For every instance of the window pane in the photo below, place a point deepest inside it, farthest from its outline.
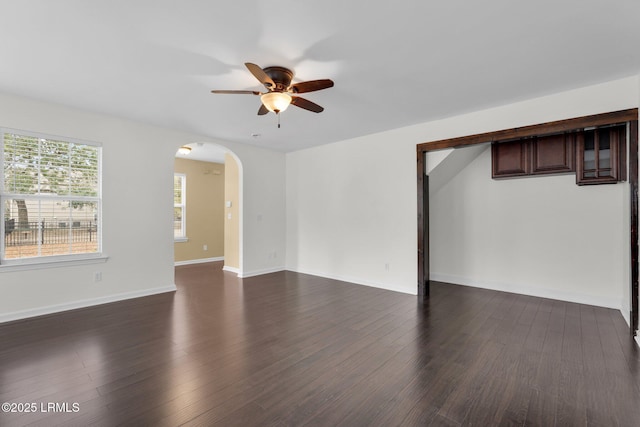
(50, 227)
(20, 164)
(179, 184)
(53, 175)
(45, 166)
(177, 189)
(83, 170)
(177, 222)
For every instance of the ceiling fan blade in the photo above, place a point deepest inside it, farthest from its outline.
(238, 92)
(259, 74)
(306, 104)
(311, 85)
(263, 110)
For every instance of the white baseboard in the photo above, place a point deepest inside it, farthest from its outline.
(534, 292)
(231, 269)
(245, 274)
(56, 308)
(359, 281)
(198, 261)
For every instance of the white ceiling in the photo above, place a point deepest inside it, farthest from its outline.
(394, 63)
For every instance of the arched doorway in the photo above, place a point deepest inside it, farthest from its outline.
(208, 205)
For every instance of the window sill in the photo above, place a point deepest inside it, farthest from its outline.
(44, 264)
(180, 239)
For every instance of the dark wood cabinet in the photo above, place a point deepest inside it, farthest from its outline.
(539, 155)
(597, 155)
(509, 159)
(553, 154)
(601, 155)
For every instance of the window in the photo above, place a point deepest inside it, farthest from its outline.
(179, 207)
(50, 197)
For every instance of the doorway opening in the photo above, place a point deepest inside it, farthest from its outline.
(626, 116)
(207, 206)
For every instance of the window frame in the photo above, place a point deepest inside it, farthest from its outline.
(182, 205)
(44, 261)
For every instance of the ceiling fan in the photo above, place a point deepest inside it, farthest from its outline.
(280, 91)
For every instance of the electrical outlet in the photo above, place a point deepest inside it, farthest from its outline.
(97, 276)
(205, 248)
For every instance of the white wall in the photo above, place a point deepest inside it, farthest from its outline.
(542, 236)
(263, 210)
(351, 211)
(137, 177)
(351, 205)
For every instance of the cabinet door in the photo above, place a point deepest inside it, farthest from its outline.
(598, 155)
(510, 159)
(553, 154)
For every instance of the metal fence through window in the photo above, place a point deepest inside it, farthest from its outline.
(48, 232)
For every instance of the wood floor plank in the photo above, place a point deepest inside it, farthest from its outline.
(289, 349)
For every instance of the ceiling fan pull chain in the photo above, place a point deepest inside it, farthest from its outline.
(278, 115)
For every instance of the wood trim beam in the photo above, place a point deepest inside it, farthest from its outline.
(633, 188)
(423, 253)
(534, 130)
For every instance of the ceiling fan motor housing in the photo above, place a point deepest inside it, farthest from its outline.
(281, 77)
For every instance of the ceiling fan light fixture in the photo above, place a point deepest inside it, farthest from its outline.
(276, 102)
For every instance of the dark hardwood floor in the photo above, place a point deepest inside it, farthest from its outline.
(287, 349)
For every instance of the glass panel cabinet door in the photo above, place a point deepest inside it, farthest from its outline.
(589, 154)
(598, 155)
